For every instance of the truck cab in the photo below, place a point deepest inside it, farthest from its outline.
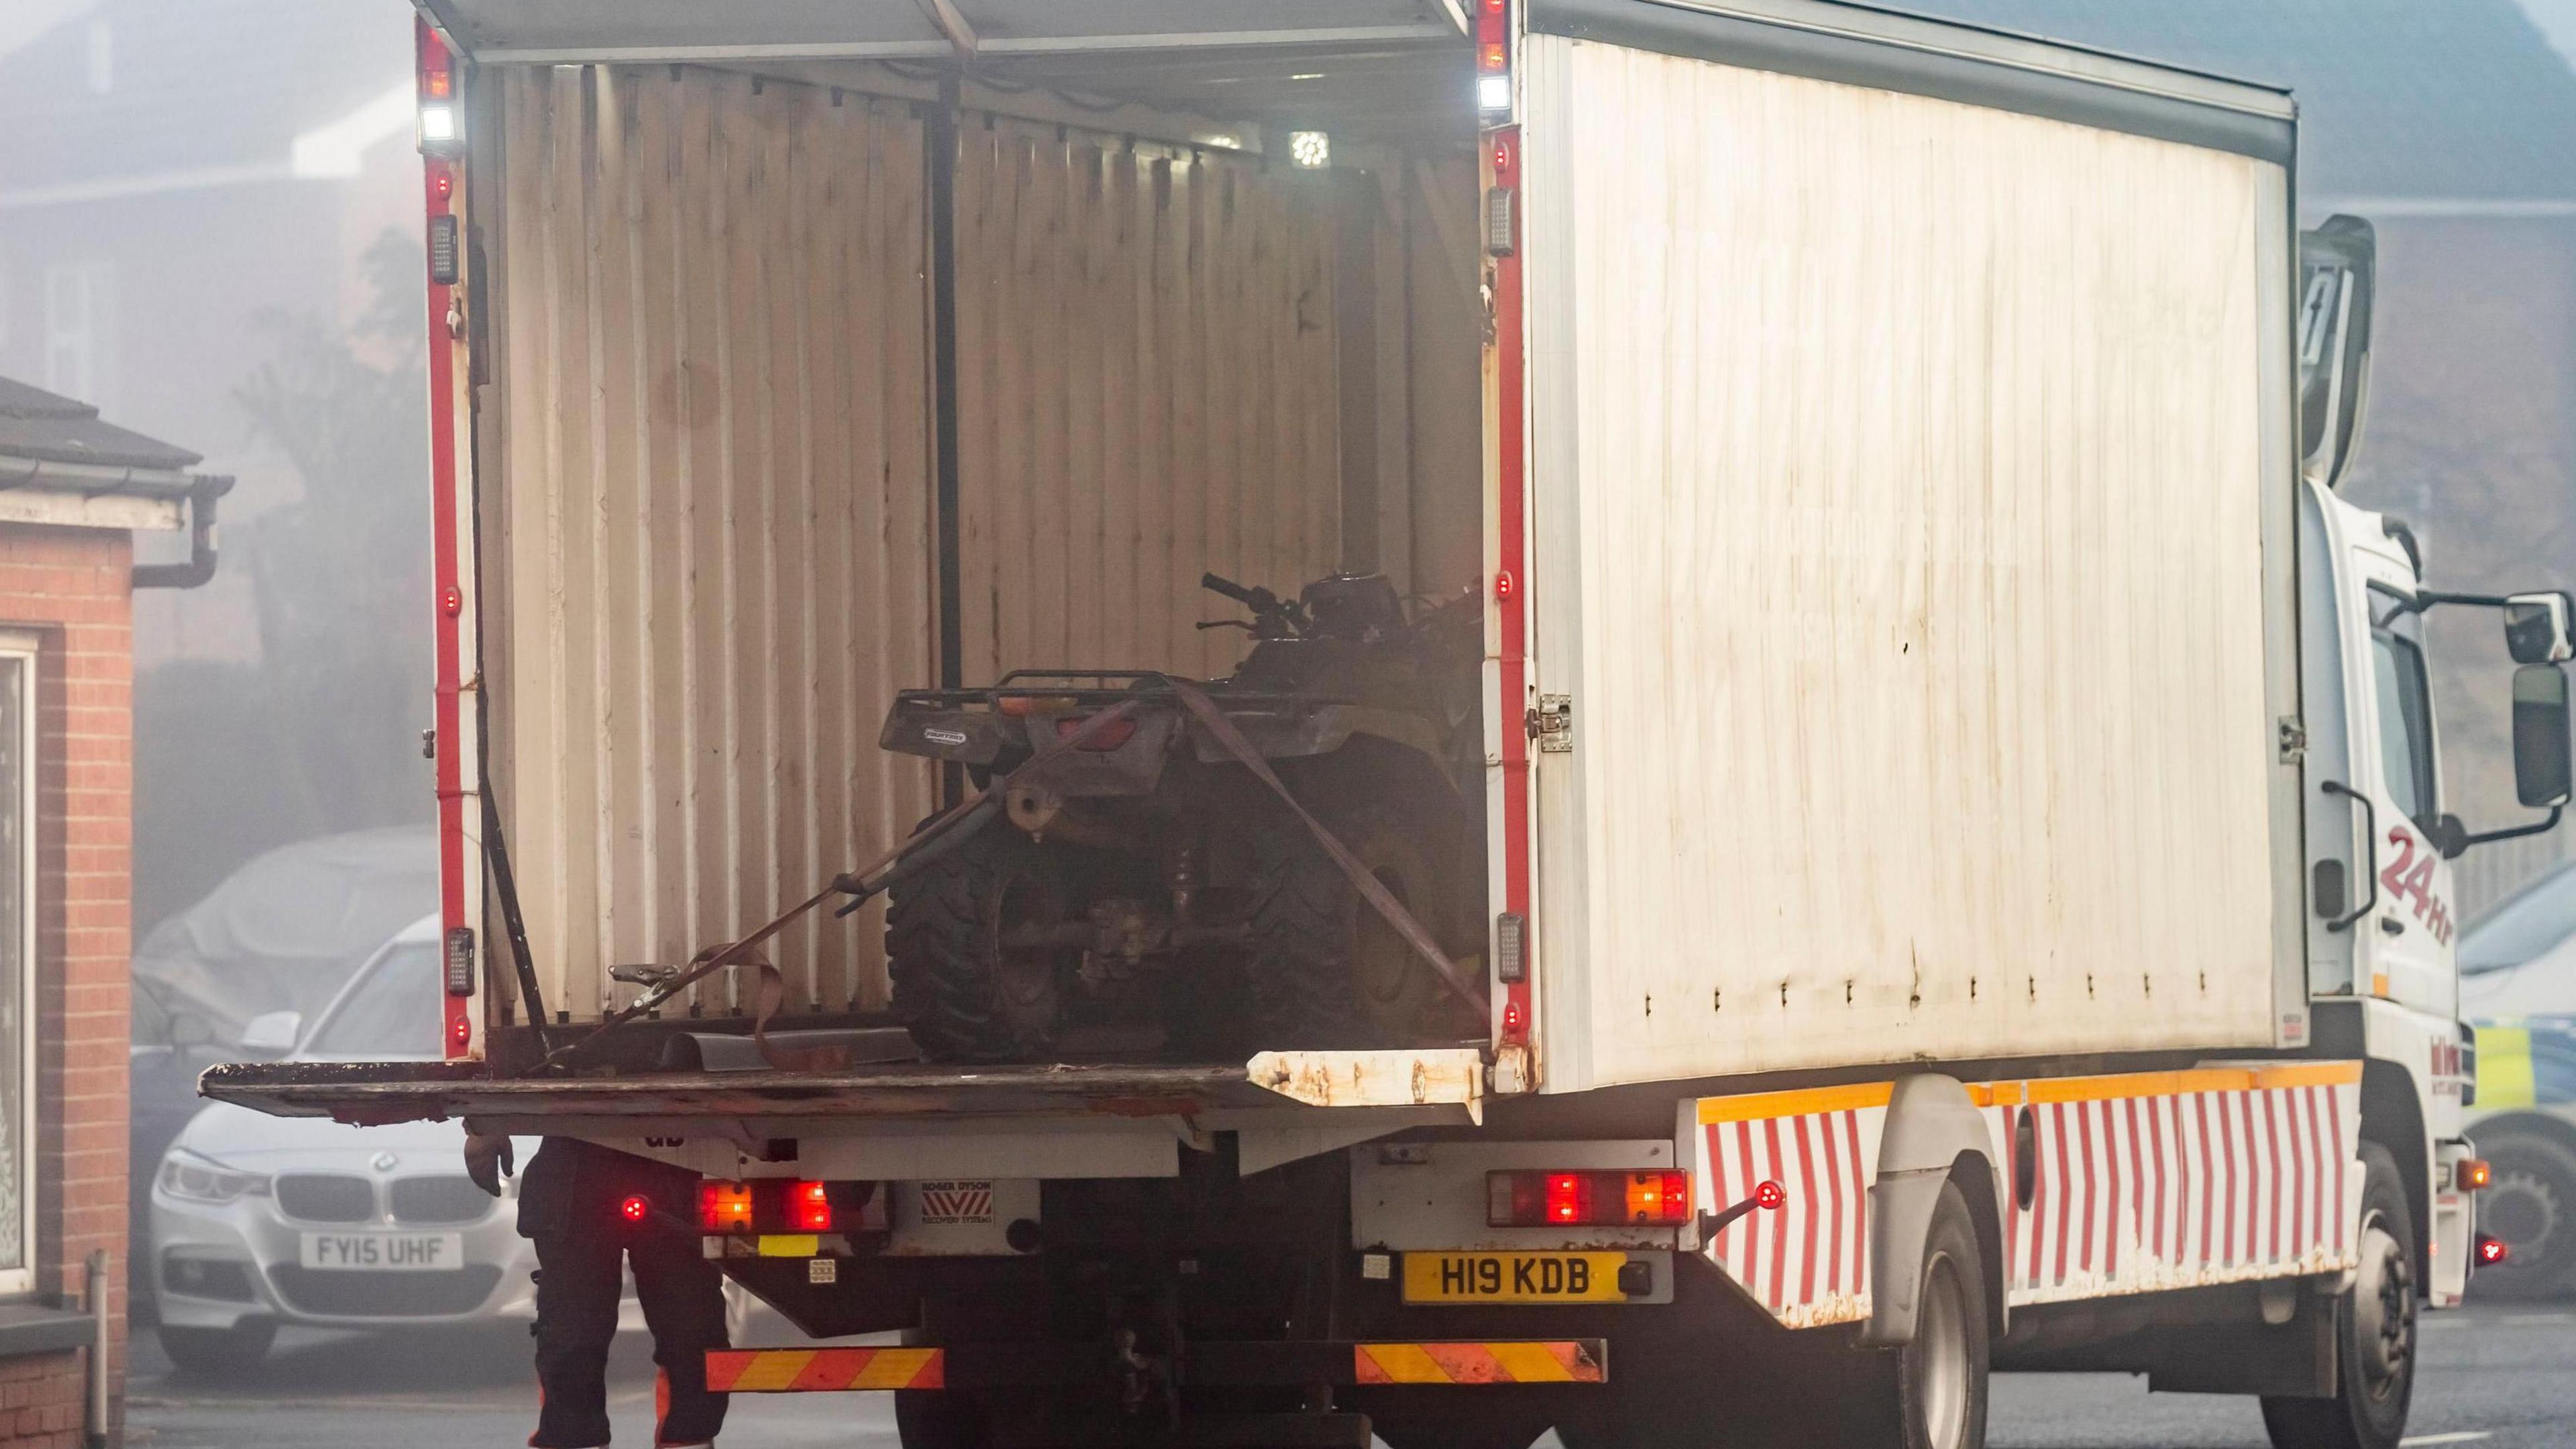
(2382, 934)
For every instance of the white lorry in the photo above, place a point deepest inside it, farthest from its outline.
(1966, 875)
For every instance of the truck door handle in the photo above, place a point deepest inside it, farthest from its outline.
(2370, 855)
(2391, 926)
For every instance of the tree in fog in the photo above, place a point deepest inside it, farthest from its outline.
(322, 733)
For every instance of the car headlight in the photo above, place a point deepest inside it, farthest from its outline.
(191, 1178)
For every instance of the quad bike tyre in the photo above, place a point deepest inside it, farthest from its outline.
(2375, 1333)
(1325, 970)
(960, 984)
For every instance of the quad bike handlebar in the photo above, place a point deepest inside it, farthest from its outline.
(1272, 616)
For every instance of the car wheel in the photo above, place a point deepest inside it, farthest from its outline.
(2530, 1204)
(218, 1350)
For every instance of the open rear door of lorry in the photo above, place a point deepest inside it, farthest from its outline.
(1910, 490)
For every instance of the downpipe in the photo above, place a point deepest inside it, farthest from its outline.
(203, 491)
(94, 1286)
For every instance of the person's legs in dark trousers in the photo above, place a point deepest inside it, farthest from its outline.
(683, 1299)
(577, 1295)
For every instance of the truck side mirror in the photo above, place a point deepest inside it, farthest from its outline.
(2541, 768)
(2538, 628)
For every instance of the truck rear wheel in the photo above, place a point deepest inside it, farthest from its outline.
(1936, 1384)
(2531, 1205)
(969, 979)
(2374, 1332)
(1325, 969)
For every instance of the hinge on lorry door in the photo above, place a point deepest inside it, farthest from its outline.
(1552, 724)
(2294, 739)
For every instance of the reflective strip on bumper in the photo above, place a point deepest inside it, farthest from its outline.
(1563, 1362)
(814, 1370)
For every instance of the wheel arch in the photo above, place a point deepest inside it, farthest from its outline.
(1934, 1136)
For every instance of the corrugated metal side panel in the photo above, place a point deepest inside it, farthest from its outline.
(711, 521)
(1916, 535)
(1147, 391)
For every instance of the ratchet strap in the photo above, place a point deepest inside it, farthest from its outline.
(861, 884)
(1363, 880)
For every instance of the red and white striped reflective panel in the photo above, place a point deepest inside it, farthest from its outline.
(2139, 1182)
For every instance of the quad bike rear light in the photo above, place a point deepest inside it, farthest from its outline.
(1108, 737)
(1587, 1199)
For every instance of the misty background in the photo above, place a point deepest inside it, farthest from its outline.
(209, 226)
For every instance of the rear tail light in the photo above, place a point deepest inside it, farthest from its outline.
(2470, 1174)
(636, 1208)
(724, 1207)
(809, 1207)
(1108, 737)
(2492, 1250)
(785, 1205)
(1587, 1199)
(1493, 57)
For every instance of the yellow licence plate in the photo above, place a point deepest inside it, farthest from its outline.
(1513, 1277)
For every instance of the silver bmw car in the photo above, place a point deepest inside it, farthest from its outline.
(259, 1221)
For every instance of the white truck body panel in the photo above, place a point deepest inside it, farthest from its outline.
(1911, 524)
(1909, 507)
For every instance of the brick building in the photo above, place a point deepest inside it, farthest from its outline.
(74, 491)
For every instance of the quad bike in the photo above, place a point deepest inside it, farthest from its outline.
(1146, 878)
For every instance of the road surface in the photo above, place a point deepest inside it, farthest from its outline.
(2493, 1378)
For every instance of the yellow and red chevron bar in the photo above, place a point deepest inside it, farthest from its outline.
(813, 1370)
(1563, 1362)
(1276, 1364)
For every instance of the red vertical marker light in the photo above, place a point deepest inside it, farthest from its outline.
(439, 174)
(1502, 165)
(1493, 59)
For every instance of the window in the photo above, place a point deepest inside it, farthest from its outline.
(80, 321)
(17, 963)
(2530, 922)
(2405, 727)
(393, 1010)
